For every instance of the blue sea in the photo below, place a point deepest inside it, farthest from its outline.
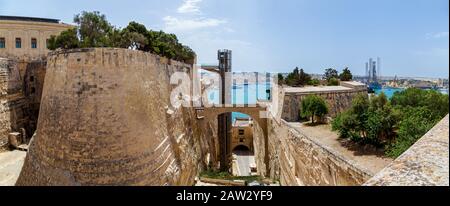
(390, 91)
(243, 94)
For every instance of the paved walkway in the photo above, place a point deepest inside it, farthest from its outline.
(365, 156)
(11, 163)
(242, 162)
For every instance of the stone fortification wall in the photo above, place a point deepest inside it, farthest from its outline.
(13, 104)
(298, 160)
(338, 98)
(106, 119)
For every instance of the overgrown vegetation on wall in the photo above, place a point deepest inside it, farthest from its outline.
(93, 30)
(396, 124)
(299, 78)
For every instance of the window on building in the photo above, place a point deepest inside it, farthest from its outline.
(31, 78)
(33, 43)
(33, 90)
(18, 43)
(241, 132)
(2, 43)
(241, 140)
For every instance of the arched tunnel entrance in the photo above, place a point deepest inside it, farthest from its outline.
(250, 132)
(245, 145)
(243, 163)
(242, 146)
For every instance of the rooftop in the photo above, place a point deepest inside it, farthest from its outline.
(32, 19)
(242, 122)
(315, 89)
(353, 83)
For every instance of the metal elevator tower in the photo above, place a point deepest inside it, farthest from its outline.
(224, 120)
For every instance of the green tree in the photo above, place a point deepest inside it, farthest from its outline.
(436, 102)
(333, 82)
(66, 40)
(280, 79)
(381, 121)
(346, 75)
(352, 123)
(416, 122)
(330, 73)
(297, 78)
(370, 122)
(304, 77)
(293, 78)
(395, 124)
(314, 82)
(313, 106)
(93, 29)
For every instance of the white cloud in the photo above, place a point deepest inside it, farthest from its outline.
(437, 35)
(189, 6)
(432, 52)
(174, 24)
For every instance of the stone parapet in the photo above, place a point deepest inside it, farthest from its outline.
(299, 160)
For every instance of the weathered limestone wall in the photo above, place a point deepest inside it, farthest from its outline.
(426, 163)
(259, 150)
(33, 85)
(298, 160)
(338, 99)
(106, 119)
(13, 104)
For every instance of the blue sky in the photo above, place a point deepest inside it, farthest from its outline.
(411, 36)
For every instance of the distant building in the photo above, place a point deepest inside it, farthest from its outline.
(242, 134)
(23, 52)
(25, 38)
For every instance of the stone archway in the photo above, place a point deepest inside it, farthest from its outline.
(211, 113)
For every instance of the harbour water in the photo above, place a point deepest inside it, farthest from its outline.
(243, 94)
(390, 91)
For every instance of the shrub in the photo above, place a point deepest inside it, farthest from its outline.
(395, 124)
(346, 75)
(333, 82)
(314, 82)
(313, 106)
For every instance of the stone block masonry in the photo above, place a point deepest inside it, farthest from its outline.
(338, 98)
(297, 160)
(13, 103)
(106, 119)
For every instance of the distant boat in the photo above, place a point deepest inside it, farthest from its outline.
(374, 86)
(237, 87)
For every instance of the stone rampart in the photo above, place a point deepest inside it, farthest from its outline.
(13, 104)
(338, 99)
(298, 160)
(106, 119)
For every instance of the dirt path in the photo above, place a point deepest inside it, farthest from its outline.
(365, 156)
(11, 163)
